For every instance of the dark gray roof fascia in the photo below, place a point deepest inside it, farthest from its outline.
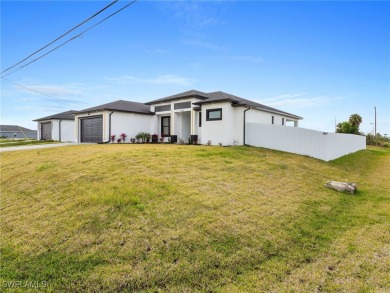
(121, 106)
(274, 111)
(144, 108)
(67, 115)
(240, 102)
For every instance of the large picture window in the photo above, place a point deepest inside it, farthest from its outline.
(214, 114)
(165, 126)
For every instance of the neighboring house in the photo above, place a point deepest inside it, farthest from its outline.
(217, 117)
(59, 127)
(15, 131)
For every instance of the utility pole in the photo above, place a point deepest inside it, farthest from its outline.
(375, 120)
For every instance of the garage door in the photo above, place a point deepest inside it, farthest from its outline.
(46, 130)
(92, 129)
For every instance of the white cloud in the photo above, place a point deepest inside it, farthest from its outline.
(199, 43)
(286, 96)
(246, 59)
(299, 103)
(50, 109)
(195, 18)
(298, 100)
(196, 65)
(156, 51)
(67, 94)
(196, 14)
(53, 90)
(159, 80)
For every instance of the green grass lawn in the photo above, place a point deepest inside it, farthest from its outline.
(21, 142)
(177, 218)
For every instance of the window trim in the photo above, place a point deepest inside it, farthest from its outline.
(162, 126)
(213, 110)
(200, 118)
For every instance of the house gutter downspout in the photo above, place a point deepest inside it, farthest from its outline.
(245, 123)
(109, 129)
(59, 130)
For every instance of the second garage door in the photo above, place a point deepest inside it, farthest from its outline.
(46, 131)
(92, 129)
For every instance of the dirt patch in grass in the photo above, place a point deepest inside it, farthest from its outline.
(193, 218)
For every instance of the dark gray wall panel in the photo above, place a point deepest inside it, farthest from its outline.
(184, 105)
(163, 108)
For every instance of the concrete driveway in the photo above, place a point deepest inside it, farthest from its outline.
(33, 147)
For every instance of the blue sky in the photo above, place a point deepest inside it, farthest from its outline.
(319, 60)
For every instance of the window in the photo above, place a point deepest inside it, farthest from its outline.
(214, 114)
(184, 105)
(282, 121)
(200, 119)
(163, 108)
(166, 126)
(273, 119)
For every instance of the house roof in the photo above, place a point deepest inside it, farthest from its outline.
(14, 128)
(220, 96)
(122, 106)
(67, 115)
(136, 107)
(238, 101)
(191, 93)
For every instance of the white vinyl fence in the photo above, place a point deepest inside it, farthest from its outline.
(321, 145)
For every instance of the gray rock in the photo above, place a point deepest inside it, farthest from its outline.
(347, 187)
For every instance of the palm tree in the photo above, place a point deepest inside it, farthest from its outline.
(355, 120)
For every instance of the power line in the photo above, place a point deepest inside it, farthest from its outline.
(35, 91)
(22, 66)
(71, 39)
(55, 40)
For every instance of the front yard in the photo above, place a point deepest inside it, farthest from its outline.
(177, 218)
(5, 142)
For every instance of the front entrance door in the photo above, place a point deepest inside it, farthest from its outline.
(166, 126)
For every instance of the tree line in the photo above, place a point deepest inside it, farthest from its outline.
(352, 127)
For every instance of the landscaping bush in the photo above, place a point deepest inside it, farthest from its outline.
(123, 136)
(143, 136)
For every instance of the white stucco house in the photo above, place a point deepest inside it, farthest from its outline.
(215, 117)
(57, 127)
